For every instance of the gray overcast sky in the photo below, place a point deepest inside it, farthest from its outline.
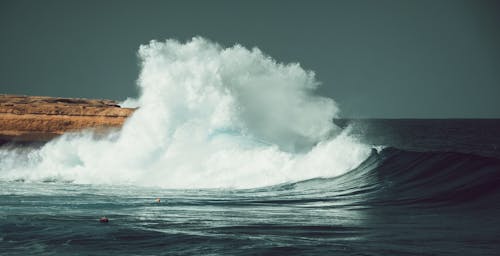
(423, 59)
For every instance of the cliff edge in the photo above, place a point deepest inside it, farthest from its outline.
(25, 119)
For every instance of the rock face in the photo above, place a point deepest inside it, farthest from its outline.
(38, 119)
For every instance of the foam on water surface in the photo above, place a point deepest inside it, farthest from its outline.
(208, 117)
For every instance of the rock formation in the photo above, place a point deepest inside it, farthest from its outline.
(37, 119)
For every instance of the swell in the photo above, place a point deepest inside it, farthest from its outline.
(395, 177)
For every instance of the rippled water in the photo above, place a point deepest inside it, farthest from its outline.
(397, 202)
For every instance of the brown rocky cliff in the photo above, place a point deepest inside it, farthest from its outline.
(36, 118)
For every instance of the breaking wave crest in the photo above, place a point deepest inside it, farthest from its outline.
(208, 117)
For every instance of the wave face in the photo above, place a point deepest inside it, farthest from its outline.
(400, 178)
(209, 117)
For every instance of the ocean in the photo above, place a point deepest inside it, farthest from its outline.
(231, 152)
(428, 187)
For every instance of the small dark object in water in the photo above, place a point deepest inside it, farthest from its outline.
(103, 220)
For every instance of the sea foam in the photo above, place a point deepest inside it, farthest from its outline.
(208, 117)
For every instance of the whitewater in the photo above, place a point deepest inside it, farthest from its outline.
(208, 117)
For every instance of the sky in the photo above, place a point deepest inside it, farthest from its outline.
(376, 59)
